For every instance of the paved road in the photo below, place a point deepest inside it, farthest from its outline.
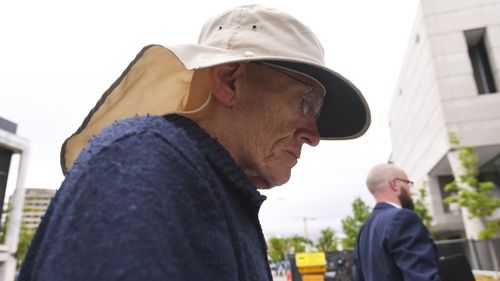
(279, 278)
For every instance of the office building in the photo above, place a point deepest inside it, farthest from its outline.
(36, 202)
(449, 82)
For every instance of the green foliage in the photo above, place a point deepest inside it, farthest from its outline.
(490, 230)
(327, 242)
(421, 209)
(298, 243)
(25, 237)
(5, 223)
(278, 247)
(453, 138)
(469, 193)
(352, 224)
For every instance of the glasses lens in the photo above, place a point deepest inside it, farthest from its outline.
(311, 104)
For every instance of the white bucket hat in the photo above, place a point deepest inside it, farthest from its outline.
(158, 80)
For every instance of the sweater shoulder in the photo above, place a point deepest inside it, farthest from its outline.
(136, 126)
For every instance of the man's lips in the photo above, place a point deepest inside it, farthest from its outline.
(295, 154)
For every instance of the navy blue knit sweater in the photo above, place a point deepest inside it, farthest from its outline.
(151, 198)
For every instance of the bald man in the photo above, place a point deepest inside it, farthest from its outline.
(394, 244)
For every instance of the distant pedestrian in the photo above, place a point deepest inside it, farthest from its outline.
(280, 269)
(394, 244)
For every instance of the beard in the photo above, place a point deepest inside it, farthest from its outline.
(406, 200)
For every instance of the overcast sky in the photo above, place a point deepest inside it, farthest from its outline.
(58, 57)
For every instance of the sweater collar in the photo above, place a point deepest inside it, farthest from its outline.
(220, 158)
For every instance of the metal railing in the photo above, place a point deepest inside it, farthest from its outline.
(482, 254)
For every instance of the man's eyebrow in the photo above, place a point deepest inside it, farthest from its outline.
(314, 82)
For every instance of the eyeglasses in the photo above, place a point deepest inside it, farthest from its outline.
(312, 101)
(408, 182)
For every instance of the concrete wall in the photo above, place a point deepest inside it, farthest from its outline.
(17, 145)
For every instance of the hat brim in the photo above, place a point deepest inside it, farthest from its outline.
(345, 113)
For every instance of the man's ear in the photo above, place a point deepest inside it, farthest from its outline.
(222, 82)
(392, 185)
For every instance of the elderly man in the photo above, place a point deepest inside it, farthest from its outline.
(171, 194)
(394, 244)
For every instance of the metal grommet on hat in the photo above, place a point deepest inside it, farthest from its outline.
(248, 54)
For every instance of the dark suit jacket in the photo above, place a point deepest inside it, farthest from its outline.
(394, 245)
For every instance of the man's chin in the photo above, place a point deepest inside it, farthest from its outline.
(279, 180)
(268, 183)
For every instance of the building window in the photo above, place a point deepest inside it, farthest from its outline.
(443, 181)
(483, 75)
(491, 172)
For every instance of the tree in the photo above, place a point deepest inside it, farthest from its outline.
(420, 207)
(352, 224)
(278, 247)
(5, 223)
(298, 244)
(328, 240)
(25, 237)
(471, 194)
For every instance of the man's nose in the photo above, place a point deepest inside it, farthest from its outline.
(308, 133)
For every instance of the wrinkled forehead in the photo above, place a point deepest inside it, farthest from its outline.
(316, 87)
